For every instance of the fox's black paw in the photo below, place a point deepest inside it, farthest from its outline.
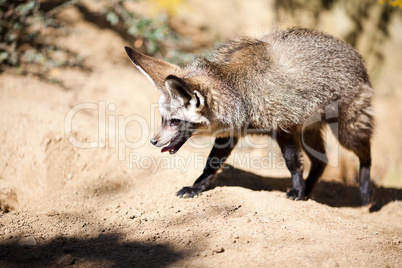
(296, 194)
(188, 192)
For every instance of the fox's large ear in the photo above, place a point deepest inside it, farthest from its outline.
(179, 89)
(154, 69)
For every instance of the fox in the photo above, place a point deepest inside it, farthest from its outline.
(283, 84)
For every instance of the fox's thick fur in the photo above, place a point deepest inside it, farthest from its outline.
(274, 85)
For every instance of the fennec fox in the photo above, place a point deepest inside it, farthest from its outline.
(273, 85)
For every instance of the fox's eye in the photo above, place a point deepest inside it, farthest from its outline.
(174, 122)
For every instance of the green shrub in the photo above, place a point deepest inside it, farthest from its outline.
(23, 44)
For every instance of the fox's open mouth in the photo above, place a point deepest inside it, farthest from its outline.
(175, 145)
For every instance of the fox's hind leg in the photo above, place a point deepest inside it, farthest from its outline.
(291, 151)
(313, 145)
(355, 131)
(218, 155)
(359, 143)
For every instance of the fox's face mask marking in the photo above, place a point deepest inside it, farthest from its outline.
(172, 134)
(181, 103)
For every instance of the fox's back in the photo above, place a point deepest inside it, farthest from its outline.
(297, 51)
(297, 71)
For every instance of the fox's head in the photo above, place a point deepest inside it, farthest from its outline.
(183, 103)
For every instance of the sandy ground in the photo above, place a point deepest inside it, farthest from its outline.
(114, 205)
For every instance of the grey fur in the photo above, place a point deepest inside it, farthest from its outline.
(280, 80)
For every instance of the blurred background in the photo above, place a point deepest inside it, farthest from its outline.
(77, 46)
(176, 30)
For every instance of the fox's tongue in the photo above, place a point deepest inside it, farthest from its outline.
(167, 148)
(174, 146)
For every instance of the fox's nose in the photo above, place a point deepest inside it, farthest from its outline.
(154, 142)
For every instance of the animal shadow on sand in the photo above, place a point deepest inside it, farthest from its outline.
(106, 250)
(333, 194)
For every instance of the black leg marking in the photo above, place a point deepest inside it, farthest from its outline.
(290, 147)
(218, 155)
(313, 145)
(366, 191)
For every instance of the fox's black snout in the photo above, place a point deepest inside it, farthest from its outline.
(153, 141)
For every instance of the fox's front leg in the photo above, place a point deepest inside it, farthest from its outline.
(218, 155)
